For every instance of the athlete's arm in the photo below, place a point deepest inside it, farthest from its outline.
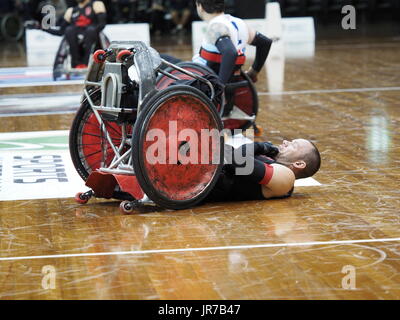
(276, 180)
(252, 149)
(99, 7)
(280, 183)
(219, 34)
(68, 14)
(100, 10)
(263, 46)
(228, 59)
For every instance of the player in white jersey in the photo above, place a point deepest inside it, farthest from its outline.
(224, 46)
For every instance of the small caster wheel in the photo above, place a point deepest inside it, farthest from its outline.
(258, 131)
(122, 55)
(126, 207)
(99, 56)
(84, 197)
(81, 198)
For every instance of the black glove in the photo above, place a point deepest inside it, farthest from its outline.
(266, 149)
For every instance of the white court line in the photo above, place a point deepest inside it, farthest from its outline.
(267, 245)
(328, 91)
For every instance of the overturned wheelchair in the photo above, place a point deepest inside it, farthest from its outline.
(142, 137)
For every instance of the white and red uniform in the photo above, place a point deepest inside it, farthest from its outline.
(239, 34)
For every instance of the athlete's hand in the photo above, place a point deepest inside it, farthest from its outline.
(252, 74)
(267, 149)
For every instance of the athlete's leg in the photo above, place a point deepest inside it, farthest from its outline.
(71, 35)
(90, 39)
(175, 17)
(186, 14)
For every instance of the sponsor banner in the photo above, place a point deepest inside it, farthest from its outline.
(41, 47)
(37, 165)
(128, 32)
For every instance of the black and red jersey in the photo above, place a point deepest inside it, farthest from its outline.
(83, 17)
(231, 187)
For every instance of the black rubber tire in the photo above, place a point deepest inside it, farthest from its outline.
(197, 66)
(81, 115)
(61, 55)
(139, 132)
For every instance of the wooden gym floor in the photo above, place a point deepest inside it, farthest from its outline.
(346, 99)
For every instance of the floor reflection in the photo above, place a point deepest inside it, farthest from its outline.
(378, 138)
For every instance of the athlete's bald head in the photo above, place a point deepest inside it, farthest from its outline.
(301, 155)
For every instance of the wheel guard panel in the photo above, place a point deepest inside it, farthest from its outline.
(103, 184)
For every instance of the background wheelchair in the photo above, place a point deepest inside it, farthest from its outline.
(11, 27)
(62, 68)
(126, 99)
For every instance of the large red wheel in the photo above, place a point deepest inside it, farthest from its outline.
(87, 141)
(175, 167)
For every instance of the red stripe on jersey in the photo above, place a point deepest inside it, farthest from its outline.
(217, 58)
(269, 171)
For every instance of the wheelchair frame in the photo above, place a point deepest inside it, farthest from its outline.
(113, 73)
